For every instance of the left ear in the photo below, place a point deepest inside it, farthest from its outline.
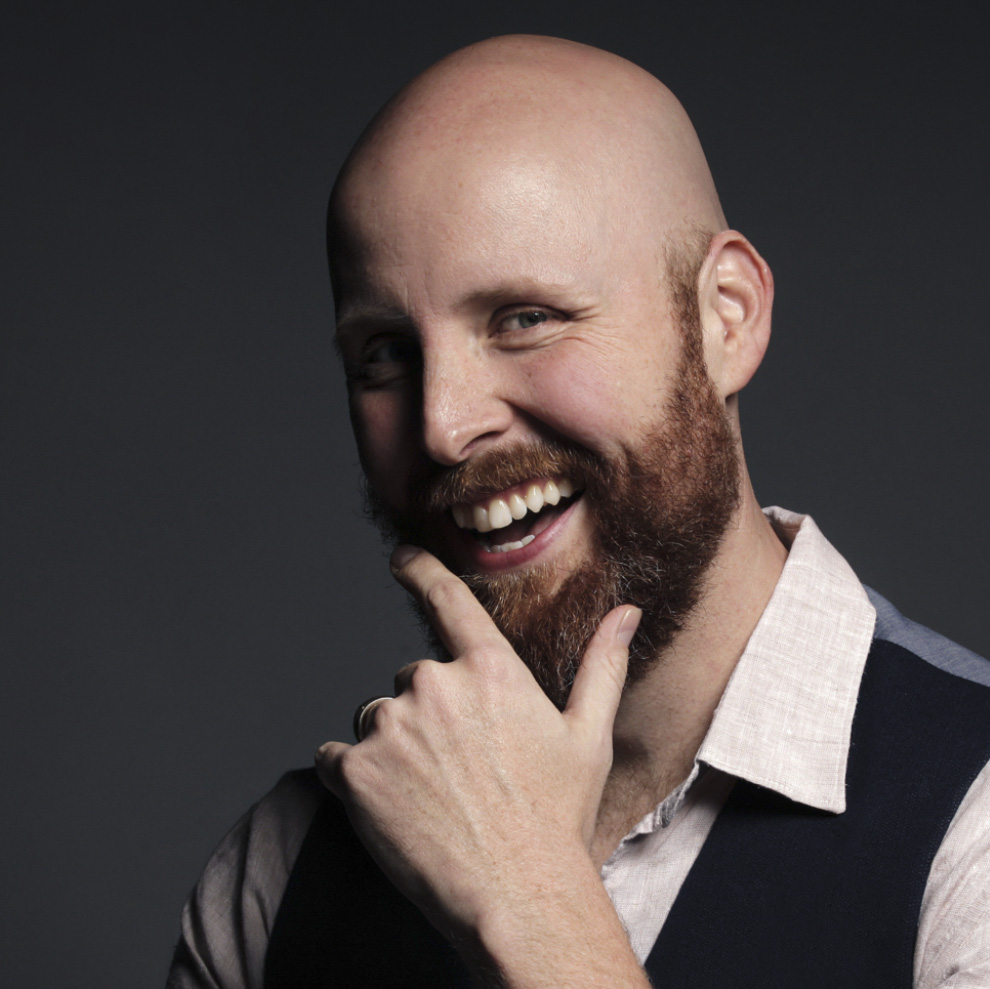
(735, 298)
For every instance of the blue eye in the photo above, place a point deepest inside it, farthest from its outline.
(526, 319)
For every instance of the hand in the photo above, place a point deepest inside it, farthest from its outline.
(475, 795)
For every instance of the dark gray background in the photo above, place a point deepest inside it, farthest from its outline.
(191, 602)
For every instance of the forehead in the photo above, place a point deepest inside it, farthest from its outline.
(437, 226)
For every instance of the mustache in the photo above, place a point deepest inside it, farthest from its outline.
(496, 470)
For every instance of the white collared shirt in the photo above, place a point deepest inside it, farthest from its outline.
(783, 722)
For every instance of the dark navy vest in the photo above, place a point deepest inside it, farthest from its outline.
(781, 895)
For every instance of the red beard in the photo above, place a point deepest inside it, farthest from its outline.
(659, 513)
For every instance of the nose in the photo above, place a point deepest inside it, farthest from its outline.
(463, 410)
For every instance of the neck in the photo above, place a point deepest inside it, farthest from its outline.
(663, 718)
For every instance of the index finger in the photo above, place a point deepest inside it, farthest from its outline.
(457, 615)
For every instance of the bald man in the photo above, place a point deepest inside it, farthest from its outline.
(635, 757)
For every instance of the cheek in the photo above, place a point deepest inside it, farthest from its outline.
(597, 403)
(383, 431)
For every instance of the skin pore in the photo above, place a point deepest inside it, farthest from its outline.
(500, 242)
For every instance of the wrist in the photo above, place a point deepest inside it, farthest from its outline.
(561, 931)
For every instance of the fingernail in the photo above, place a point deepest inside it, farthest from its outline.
(401, 555)
(628, 625)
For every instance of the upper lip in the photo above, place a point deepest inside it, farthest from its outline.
(498, 510)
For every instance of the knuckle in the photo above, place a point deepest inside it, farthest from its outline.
(344, 769)
(383, 717)
(615, 670)
(354, 774)
(428, 673)
(488, 662)
(337, 771)
(415, 675)
(443, 594)
(404, 677)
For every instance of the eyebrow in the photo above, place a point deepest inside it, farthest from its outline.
(520, 291)
(387, 317)
(357, 317)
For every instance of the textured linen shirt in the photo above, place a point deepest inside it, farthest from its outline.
(783, 722)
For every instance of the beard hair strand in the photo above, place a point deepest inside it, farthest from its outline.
(660, 513)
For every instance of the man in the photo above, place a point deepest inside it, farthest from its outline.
(546, 322)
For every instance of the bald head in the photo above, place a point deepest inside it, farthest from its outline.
(514, 120)
(534, 280)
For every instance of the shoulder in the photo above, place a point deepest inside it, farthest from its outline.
(255, 857)
(953, 945)
(265, 841)
(227, 921)
(935, 649)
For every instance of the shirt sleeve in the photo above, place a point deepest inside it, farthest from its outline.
(953, 947)
(227, 921)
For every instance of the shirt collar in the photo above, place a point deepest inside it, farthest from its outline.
(784, 719)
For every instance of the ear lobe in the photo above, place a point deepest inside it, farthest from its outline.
(736, 300)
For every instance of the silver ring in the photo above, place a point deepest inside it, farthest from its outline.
(364, 716)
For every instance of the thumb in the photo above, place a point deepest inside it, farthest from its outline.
(599, 681)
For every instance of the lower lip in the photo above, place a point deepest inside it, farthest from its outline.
(486, 562)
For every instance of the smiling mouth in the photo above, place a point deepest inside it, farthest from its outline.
(513, 518)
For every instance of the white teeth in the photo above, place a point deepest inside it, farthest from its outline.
(517, 506)
(499, 515)
(481, 522)
(505, 547)
(534, 498)
(500, 512)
